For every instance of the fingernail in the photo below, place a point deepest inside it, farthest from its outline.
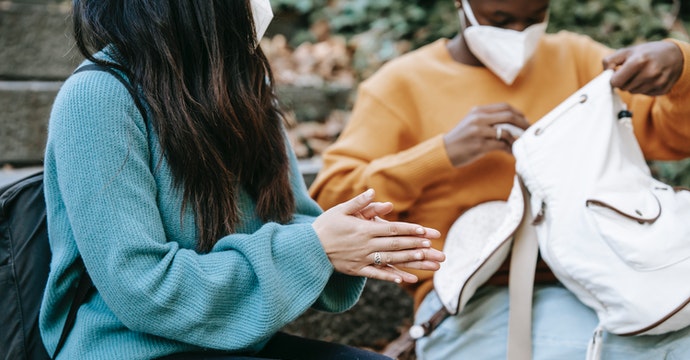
(420, 230)
(369, 193)
(426, 243)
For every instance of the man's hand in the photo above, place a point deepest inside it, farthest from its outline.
(483, 130)
(651, 68)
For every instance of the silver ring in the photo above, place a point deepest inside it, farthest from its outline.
(499, 132)
(377, 259)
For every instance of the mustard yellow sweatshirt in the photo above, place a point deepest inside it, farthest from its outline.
(394, 139)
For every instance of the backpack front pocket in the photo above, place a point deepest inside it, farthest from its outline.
(648, 228)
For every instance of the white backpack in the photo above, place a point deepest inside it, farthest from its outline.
(612, 234)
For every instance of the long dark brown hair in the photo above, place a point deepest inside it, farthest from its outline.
(209, 89)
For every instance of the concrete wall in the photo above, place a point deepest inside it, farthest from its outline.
(35, 56)
(37, 53)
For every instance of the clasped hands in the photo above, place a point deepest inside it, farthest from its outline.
(356, 238)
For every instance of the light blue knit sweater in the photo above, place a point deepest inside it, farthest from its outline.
(108, 203)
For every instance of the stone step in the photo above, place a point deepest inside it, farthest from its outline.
(309, 168)
(36, 40)
(25, 108)
(24, 111)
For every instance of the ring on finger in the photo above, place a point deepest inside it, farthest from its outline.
(499, 132)
(377, 259)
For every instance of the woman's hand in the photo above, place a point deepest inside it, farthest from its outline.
(359, 243)
(650, 68)
(478, 133)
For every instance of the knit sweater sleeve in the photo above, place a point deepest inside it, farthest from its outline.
(248, 287)
(341, 291)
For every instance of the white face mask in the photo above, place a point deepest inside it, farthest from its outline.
(505, 52)
(263, 14)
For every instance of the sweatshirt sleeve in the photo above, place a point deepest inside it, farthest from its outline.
(662, 123)
(247, 288)
(380, 150)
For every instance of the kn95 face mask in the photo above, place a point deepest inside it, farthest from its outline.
(262, 14)
(503, 51)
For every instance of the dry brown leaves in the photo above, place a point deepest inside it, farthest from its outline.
(327, 61)
(310, 64)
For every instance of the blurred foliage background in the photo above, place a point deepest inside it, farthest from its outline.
(353, 38)
(388, 28)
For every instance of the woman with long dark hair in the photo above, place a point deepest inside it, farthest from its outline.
(188, 211)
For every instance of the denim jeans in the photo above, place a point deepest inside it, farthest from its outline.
(561, 329)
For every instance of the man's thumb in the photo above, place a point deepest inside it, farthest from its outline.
(614, 60)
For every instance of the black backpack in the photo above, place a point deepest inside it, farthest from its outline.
(25, 262)
(24, 266)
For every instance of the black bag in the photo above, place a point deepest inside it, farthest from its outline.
(25, 262)
(24, 266)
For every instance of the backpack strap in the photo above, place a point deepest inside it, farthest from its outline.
(521, 285)
(405, 343)
(121, 78)
(85, 282)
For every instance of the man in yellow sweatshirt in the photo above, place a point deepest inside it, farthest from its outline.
(423, 134)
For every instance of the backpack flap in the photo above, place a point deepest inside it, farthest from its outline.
(476, 246)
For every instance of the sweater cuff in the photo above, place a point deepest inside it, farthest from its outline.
(436, 161)
(682, 86)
